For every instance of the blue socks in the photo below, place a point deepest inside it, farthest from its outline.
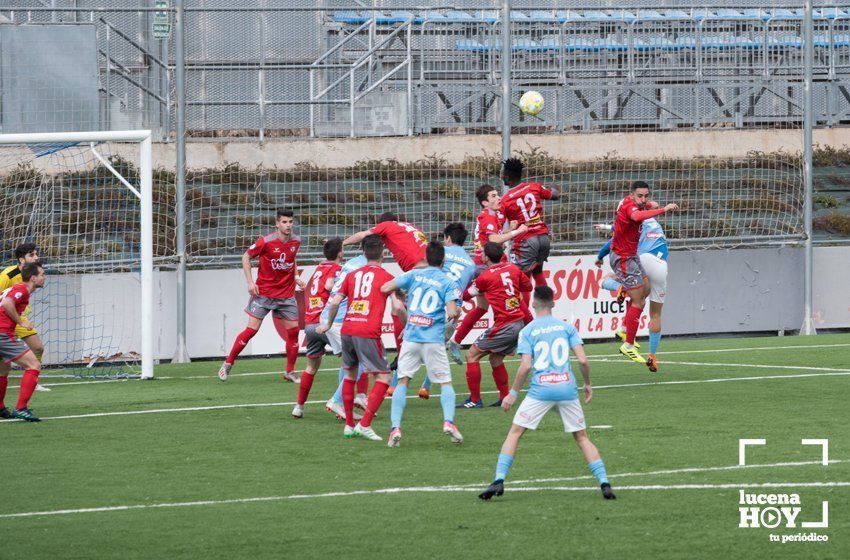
(503, 466)
(427, 384)
(654, 340)
(394, 380)
(610, 284)
(337, 398)
(447, 401)
(399, 402)
(597, 468)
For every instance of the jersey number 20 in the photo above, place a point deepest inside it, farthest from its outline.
(547, 355)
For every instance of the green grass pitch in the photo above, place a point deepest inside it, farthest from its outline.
(187, 467)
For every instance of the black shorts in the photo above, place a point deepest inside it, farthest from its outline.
(532, 252)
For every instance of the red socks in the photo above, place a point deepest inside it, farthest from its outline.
(305, 386)
(398, 331)
(4, 382)
(632, 320)
(240, 343)
(376, 397)
(363, 384)
(500, 376)
(473, 380)
(468, 323)
(539, 279)
(28, 383)
(348, 400)
(291, 348)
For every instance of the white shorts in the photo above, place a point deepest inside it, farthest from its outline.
(531, 412)
(432, 354)
(656, 270)
(334, 340)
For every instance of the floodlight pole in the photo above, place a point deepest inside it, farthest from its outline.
(181, 353)
(506, 79)
(808, 327)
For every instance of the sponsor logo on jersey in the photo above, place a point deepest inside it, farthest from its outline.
(512, 303)
(315, 302)
(281, 264)
(360, 306)
(420, 320)
(554, 378)
(534, 221)
(653, 234)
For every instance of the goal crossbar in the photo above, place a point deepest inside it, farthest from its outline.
(143, 138)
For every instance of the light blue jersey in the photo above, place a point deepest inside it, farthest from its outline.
(652, 239)
(428, 291)
(459, 266)
(548, 340)
(350, 266)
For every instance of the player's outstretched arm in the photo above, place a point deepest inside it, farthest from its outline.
(249, 275)
(389, 287)
(584, 365)
(357, 237)
(554, 193)
(452, 310)
(519, 381)
(508, 235)
(641, 215)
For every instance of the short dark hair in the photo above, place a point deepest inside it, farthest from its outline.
(435, 253)
(640, 185)
(332, 248)
(373, 247)
(512, 169)
(23, 249)
(285, 213)
(482, 192)
(456, 231)
(387, 217)
(29, 270)
(494, 251)
(544, 294)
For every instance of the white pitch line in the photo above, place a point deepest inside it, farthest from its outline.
(754, 366)
(292, 403)
(424, 489)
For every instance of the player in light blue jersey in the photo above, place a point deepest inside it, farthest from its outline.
(431, 297)
(652, 251)
(334, 404)
(545, 345)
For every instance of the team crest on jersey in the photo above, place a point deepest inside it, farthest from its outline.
(512, 303)
(315, 302)
(420, 320)
(360, 306)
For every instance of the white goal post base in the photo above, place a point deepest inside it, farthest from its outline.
(145, 196)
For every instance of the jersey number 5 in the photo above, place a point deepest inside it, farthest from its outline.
(508, 283)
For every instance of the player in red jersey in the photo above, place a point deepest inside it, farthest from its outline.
(489, 227)
(501, 284)
(317, 293)
(624, 260)
(13, 302)
(523, 205)
(274, 291)
(407, 244)
(361, 335)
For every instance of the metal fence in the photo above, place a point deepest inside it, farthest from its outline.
(386, 68)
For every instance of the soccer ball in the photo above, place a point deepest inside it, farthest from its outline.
(531, 102)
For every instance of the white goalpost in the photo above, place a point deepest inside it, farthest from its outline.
(86, 199)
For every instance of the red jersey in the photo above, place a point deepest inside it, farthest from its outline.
(277, 270)
(21, 296)
(522, 204)
(501, 285)
(488, 223)
(317, 296)
(626, 230)
(366, 303)
(405, 242)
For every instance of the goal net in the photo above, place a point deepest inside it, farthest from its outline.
(85, 199)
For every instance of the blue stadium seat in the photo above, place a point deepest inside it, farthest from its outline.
(649, 15)
(518, 16)
(654, 44)
(433, 17)
(396, 16)
(676, 14)
(540, 16)
(686, 42)
(457, 16)
(471, 45)
(352, 17)
(489, 16)
(840, 40)
(527, 45)
(785, 14)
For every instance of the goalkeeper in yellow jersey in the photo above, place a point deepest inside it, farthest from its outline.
(11, 275)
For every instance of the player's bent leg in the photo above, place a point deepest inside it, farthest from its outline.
(500, 377)
(448, 400)
(376, 397)
(242, 340)
(288, 331)
(594, 463)
(37, 346)
(504, 462)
